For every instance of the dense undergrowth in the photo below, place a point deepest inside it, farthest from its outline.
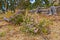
(30, 23)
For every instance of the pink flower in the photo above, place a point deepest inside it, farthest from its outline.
(36, 30)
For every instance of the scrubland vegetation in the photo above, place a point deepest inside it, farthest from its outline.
(27, 20)
(30, 24)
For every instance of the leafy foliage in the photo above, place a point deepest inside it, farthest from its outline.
(16, 19)
(23, 4)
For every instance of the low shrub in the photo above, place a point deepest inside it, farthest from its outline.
(16, 19)
(2, 34)
(41, 27)
(31, 25)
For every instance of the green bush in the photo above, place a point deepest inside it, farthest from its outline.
(30, 26)
(2, 34)
(44, 26)
(16, 19)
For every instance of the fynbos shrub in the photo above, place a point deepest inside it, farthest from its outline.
(30, 26)
(16, 19)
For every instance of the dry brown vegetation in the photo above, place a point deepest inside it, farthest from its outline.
(12, 32)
